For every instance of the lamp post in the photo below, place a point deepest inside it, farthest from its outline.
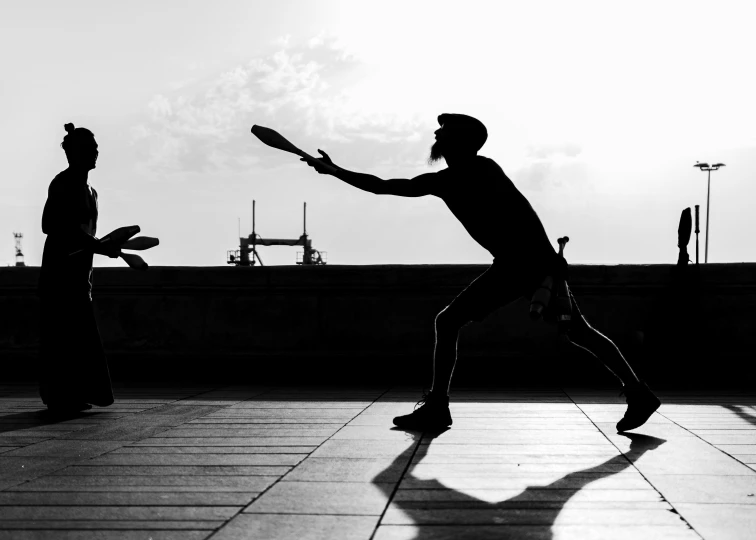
(708, 168)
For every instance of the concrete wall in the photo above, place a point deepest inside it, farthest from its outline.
(375, 323)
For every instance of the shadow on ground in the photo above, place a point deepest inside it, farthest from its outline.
(536, 508)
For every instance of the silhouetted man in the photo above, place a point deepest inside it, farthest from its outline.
(73, 370)
(500, 219)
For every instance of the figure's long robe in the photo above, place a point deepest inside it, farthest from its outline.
(73, 368)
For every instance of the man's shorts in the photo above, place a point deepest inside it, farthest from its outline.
(498, 286)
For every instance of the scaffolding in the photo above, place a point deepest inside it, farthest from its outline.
(247, 254)
(19, 253)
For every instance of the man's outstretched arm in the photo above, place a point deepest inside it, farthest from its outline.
(416, 187)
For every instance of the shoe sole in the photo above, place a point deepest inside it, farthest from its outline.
(649, 415)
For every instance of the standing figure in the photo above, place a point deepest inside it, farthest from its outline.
(73, 370)
(500, 219)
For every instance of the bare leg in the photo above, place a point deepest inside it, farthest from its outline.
(445, 352)
(641, 401)
(434, 413)
(583, 334)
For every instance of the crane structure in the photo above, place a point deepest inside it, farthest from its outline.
(19, 253)
(247, 254)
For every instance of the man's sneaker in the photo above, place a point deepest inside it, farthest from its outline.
(431, 415)
(641, 404)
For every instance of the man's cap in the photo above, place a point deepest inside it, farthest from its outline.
(472, 126)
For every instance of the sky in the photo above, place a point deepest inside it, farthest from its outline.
(597, 111)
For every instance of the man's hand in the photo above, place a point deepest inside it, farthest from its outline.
(110, 249)
(318, 164)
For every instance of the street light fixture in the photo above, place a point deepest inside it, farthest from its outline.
(708, 168)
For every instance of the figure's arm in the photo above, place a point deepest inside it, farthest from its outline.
(58, 220)
(415, 187)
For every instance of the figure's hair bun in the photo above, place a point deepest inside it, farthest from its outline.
(69, 128)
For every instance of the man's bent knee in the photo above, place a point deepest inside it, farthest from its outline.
(450, 319)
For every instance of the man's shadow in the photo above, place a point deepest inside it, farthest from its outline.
(545, 509)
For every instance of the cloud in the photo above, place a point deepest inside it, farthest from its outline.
(310, 93)
(550, 165)
(548, 151)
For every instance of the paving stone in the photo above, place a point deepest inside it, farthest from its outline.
(122, 400)
(362, 449)
(137, 483)
(347, 470)
(322, 498)
(578, 460)
(67, 449)
(613, 517)
(248, 432)
(514, 532)
(297, 527)
(63, 426)
(744, 429)
(535, 424)
(57, 534)
(177, 470)
(737, 448)
(108, 513)
(426, 470)
(680, 455)
(88, 418)
(720, 521)
(523, 481)
(181, 411)
(540, 437)
(230, 441)
(661, 430)
(73, 498)
(513, 456)
(526, 505)
(447, 498)
(39, 431)
(143, 425)
(382, 433)
(598, 450)
(209, 450)
(227, 428)
(106, 525)
(242, 421)
(294, 404)
(334, 415)
(708, 488)
(229, 402)
(121, 430)
(735, 424)
(17, 468)
(10, 439)
(732, 438)
(383, 420)
(196, 459)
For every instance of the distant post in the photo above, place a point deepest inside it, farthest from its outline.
(697, 231)
(708, 168)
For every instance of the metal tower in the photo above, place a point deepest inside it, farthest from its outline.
(247, 254)
(19, 253)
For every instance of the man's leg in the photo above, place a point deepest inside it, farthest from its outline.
(448, 325)
(434, 413)
(489, 291)
(641, 402)
(583, 334)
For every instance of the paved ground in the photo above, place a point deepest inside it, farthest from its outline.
(278, 463)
